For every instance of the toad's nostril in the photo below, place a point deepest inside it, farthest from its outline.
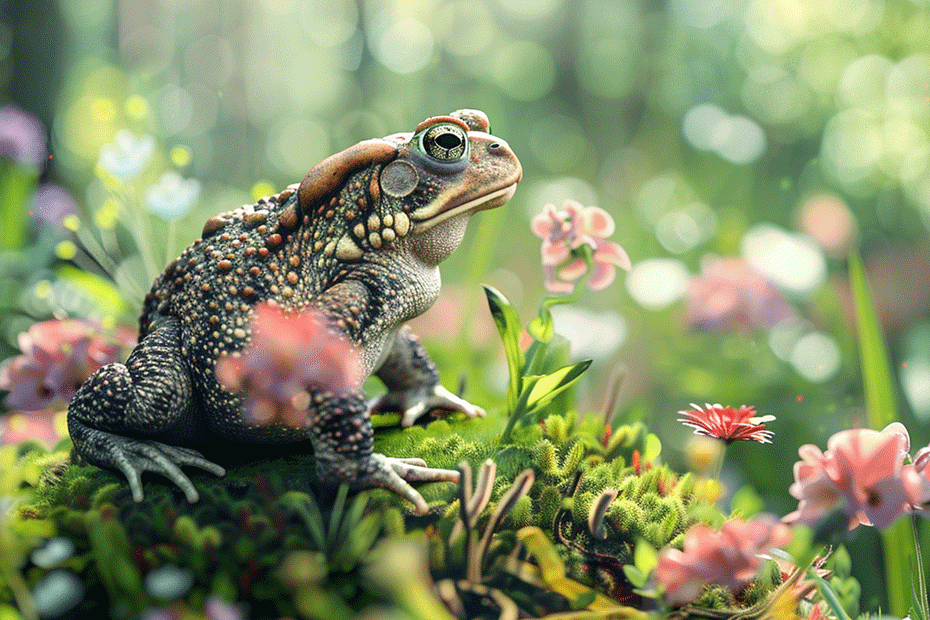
(495, 145)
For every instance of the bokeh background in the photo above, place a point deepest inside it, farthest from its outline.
(744, 148)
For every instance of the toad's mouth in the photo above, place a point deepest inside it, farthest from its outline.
(490, 200)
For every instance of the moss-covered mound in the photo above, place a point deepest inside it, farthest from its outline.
(544, 525)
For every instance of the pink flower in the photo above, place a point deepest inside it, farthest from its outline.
(728, 557)
(916, 478)
(729, 294)
(564, 232)
(862, 473)
(727, 423)
(291, 355)
(58, 356)
(17, 427)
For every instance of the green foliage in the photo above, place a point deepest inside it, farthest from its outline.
(529, 392)
(882, 408)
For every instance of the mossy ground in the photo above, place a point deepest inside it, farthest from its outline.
(267, 536)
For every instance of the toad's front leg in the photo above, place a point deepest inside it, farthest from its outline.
(343, 439)
(413, 383)
(119, 414)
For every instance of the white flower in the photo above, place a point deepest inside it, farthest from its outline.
(127, 156)
(172, 196)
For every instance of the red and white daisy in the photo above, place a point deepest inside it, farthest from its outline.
(727, 423)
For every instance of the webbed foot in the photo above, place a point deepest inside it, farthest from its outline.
(416, 402)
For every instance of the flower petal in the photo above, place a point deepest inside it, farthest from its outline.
(611, 253)
(553, 253)
(596, 221)
(602, 276)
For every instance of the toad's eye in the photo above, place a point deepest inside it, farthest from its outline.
(444, 142)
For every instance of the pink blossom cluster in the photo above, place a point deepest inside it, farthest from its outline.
(730, 294)
(864, 474)
(564, 232)
(57, 357)
(729, 556)
(290, 356)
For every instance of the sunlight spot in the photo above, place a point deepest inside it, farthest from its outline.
(656, 283)
(65, 250)
(915, 379)
(737, 139)
(783, 337)
(261, 189)
(137, 107)
(405, 46)
(793, 262)
(815, 356)
(681, 231)
(592, 334)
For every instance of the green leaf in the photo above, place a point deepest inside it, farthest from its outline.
(916, 612)
(508, 325)
(636, 578)
(881, 408)
(547, 387)
(828, 595)
(652, 449)
(747, 502)
(17, 183)
(542, 330)
(877, 376)
(645, 557)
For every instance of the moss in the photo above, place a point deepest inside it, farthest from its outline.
(254, 533)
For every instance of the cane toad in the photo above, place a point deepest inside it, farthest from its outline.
(359, 240)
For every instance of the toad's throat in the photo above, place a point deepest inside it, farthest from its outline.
(481, 203)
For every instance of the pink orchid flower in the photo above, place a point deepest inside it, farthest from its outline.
(291, 356)
(729, 557)
(564, 232)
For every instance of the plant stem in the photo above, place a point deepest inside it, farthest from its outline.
(921, 578)
(718, 468)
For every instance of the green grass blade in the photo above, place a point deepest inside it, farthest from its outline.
(882, 409)
(877, 377)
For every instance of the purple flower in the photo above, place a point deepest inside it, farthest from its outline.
(52, 204)
(22, 137)
(564, 232)
(217, 609)
(58, 356)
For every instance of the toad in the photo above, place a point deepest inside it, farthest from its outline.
(359, 240)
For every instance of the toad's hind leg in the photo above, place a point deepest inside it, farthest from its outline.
(150, 395)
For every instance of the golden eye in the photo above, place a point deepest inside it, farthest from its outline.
(444, 142)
